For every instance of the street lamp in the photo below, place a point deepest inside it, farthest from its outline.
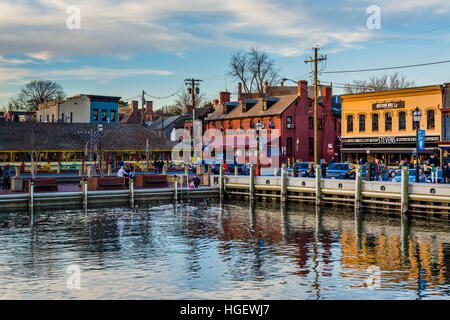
(417, 116)
(258, 128)
(94, 137)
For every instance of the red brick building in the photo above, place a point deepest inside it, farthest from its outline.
(287, 116)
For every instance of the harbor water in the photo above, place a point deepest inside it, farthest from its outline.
(209, 250)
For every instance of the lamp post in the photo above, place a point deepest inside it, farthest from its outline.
(417, 116)
(258, 128)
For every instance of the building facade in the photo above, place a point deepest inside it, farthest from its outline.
(287, 118)
(444, 144)
(379, 125)
(81, 108)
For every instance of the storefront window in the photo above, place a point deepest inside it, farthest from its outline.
(311, 146)
(362, 123)
(310, 123)
(349, 123)
(103, 115)
(95, 114)
(430, 119)
(446, 126)
(375, 122)
(401, 120)
(388, 121)
(289, 146)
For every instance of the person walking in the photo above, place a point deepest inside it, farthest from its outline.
(6, 178)
(433, 173)
(445, 172)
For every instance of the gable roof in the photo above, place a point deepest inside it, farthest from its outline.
(163, 122)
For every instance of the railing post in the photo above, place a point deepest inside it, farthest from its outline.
(31, 195)
(358, 187)
(252, 182)
(318, 184)
(164, 169)
(283, 183)
(405, 190)
(175, 188)
(186, 169)
(109, 170)
(236, 170)
(131, 186)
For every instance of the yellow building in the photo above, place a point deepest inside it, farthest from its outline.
(379, 125)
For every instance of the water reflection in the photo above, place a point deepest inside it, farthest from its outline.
(208, 250)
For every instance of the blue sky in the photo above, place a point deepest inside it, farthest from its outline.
(123, 47)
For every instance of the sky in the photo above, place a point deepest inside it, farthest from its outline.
(120, 48)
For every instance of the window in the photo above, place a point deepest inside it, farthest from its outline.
(388, 121)
(311, 146)
(402, 120)
(350, 123)
(319, 124)
(430, 119)
(113, 115)
(48, 118)
(310, 123)
(53, 117)
(375, 122)
(271, 124)
(62, 117)
(71, 117)
(95, 114)
(241, 124)
(288, 121)
(362, 123)
(446, 123)
(40, 118)
(103, 115)
(289, 146)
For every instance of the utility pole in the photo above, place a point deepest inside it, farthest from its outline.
(193, 89)
(315, 60)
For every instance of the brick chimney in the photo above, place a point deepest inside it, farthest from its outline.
(282, 83)
(149, 106)
(303, 89)
(326, 93)
(215, 102)
(134, 106)
(266, 86)
(239, 90)
(224, 97)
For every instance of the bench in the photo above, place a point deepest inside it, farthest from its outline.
(154, 180)
(42, 184)
(106, 183)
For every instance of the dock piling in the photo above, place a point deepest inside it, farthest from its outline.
(221, 181)
(318, 184)
(175, 188)
(358, 187)
(405, 190)
(252, 182)
(283, 183)
(131, 186)
(84, 190)
(31, 195)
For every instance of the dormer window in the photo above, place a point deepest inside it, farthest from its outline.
(267, 102)
(247, 104)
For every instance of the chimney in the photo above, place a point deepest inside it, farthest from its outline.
(266, 86)
(326, 93)
(149, 106)
(215, 101)
(303, 89)
(239, 90)
(134, 106)
(282, 83)
(224, 97)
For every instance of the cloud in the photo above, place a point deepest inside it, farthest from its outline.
(41, 55)
(14, 61)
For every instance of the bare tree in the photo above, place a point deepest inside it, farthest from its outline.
(253, 69)
(182, 101)
(379, 83)
(36, 92)
(36, 139)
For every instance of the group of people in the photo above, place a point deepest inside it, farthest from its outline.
(6, 175)
(126, 172)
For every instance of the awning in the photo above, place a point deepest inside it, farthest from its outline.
(385, 150)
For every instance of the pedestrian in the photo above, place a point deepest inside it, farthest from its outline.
(6, 178)
(433, 173)
(225, 167)
(445, 172)
(196, 181)
(377, 170)
(323, 169)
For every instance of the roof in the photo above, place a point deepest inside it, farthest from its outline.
(422, 90)
(163, 122)
(23, 136)
(256, 111)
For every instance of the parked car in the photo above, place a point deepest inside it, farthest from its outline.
(412, 176)
(439, 177)
(215, 167)
(351, 174)
(338, 170)
(299, 168)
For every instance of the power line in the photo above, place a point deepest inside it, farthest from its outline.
(389, 68)
(166, 97)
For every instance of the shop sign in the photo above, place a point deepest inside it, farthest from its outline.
(388, 105)
(421, 140)
(387, 140)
